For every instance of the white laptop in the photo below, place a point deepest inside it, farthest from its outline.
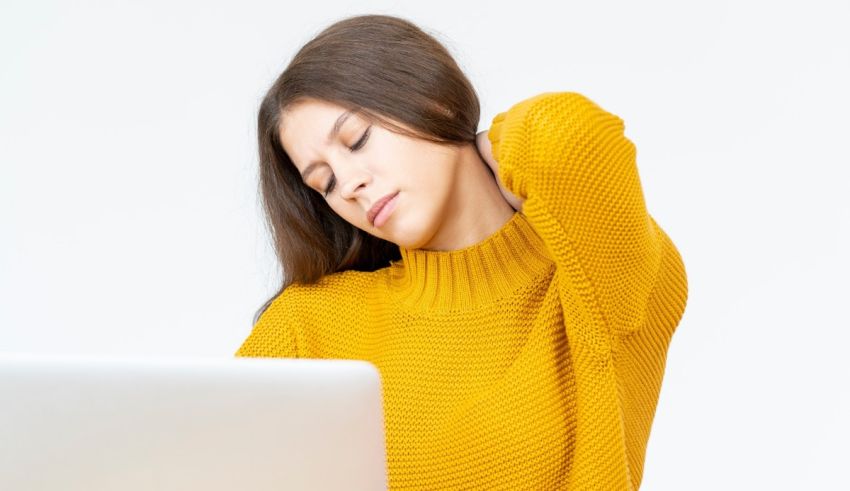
(255, 424)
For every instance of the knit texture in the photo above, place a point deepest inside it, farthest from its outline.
(533, 359)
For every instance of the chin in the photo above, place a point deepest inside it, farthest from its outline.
(415, 235)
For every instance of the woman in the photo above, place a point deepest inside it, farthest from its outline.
(509, 285)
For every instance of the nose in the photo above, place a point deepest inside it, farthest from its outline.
(352, 181)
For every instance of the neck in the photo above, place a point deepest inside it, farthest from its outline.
(476, 207)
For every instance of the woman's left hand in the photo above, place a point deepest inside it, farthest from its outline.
(484, 148)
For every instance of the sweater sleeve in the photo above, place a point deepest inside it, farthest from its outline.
(570, 161)
(275, 333)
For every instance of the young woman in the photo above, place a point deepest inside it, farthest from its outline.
(510, 285)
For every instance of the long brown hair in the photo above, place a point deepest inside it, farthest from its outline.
(386, 69)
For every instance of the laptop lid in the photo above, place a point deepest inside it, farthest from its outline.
(84, 423)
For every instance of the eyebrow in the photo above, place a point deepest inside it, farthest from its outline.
(334, 131)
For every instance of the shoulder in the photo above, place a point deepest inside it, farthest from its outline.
(332, 289)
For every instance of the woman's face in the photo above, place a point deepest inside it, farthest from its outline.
(361, 163)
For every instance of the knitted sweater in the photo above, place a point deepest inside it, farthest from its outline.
(533, 359)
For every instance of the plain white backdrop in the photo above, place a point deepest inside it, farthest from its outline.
(131, 222)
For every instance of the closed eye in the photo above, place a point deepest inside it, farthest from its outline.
(361, 141)
(357, 146)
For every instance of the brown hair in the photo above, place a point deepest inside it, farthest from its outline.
(386, 69)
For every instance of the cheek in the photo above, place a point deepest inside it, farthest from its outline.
(429, 193)
(433, 176)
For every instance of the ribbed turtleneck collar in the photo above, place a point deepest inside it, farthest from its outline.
(429, 281)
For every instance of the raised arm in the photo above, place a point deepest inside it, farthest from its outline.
(569, 164)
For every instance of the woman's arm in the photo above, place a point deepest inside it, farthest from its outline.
(485, 150)
(571, 162)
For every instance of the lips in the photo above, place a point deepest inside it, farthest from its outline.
(376, 208)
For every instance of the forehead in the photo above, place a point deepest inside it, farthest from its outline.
(308, 126)
(309, 120)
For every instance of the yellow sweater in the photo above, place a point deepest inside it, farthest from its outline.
(533, 359)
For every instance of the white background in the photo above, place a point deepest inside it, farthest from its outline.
(131, 222)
